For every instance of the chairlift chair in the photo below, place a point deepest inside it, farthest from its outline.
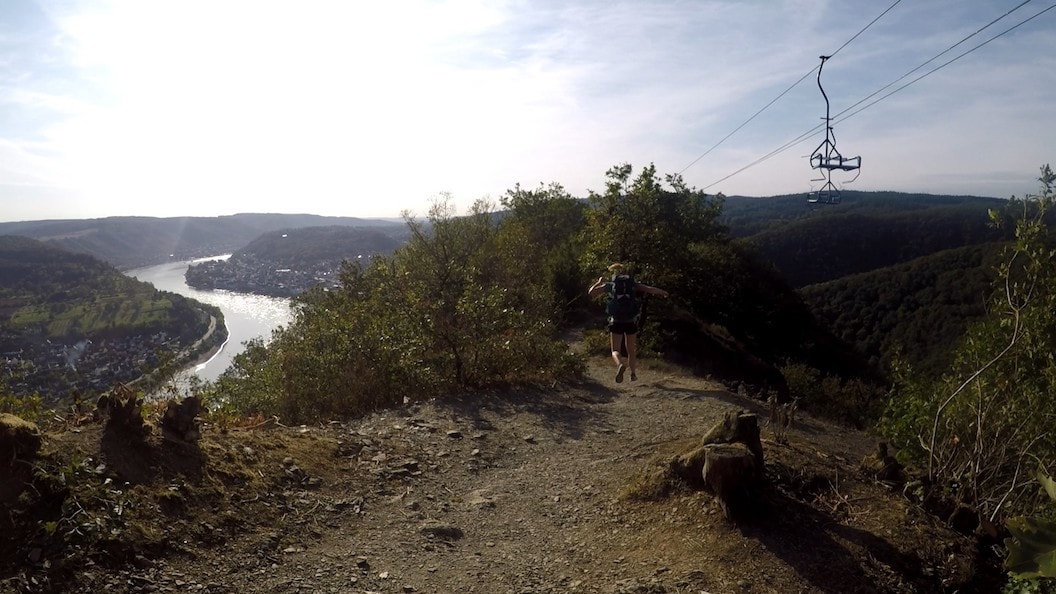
(827, 158)
(827, 194)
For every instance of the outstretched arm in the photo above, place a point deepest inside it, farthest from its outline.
(651, 290)
(597, 288)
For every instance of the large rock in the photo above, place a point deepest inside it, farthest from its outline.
(19, 439)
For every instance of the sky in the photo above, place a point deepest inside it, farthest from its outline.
(371, 109)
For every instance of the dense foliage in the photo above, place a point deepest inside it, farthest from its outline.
(730, 314)
(1032, 547)
(453, 309)
(920, 308)
(981, 429)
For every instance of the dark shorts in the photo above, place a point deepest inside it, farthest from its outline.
(623, 328)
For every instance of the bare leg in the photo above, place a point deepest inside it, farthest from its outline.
(614, 345)
(632, 353)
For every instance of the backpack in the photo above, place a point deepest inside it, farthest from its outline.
(623, 303)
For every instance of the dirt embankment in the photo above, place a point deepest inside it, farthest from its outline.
(521, 492)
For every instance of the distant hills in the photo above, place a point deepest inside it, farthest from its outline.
(132, 242)
(311, 246)
(883, 270)
(866, 232)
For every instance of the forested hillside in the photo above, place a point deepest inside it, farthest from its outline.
(750, 215)
(310, 246)
(837, 242)
(922, 307)
(71, 321)
(63, 295)
(883, 270)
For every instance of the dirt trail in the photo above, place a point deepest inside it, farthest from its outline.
(525, 492)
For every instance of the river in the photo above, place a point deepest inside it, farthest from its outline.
(247, 316)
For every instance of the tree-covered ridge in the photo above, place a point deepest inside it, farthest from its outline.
(310, 246)
(750, 215)
(840, 243)
(920, 308)
(65, 295)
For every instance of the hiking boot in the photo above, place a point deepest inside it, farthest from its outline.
(634, 376)
(619, 373)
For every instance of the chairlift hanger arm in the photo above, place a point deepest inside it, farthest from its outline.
(826, 156)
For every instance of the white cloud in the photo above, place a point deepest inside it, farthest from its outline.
(197, 107)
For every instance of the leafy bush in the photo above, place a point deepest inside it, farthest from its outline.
(992, 411)
(30, 408)
(1032, 547)
(452, 309)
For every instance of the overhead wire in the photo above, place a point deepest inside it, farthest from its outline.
(941, 66)
(841, 117)
(783, 93)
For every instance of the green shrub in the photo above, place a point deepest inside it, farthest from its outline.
(453, 309)
(992, 411)
(1031, 557)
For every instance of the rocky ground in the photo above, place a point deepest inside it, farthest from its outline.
(530, 491)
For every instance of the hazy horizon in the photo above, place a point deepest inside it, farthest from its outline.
(368, 110)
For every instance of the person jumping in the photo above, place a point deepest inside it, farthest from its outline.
(623, 314)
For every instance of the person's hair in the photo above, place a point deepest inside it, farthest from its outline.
(615, 267)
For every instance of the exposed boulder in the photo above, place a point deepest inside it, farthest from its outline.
(18, 439)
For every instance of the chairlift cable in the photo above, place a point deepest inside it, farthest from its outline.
(783, 93)
(933, 58)
(841, 115)
(937, 68)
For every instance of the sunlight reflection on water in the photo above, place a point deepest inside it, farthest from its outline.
(247, 316)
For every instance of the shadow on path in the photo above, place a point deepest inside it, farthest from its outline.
(834, 558)
(569, 414)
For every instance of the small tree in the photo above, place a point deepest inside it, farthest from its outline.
(546, 223)
(452, 309)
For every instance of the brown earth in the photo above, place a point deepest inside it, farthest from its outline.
(529, 491)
